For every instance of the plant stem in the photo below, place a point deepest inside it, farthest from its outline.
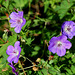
(1, 44)
(29, 60)
(28, 67)
(26, 58)
(3, 18)
(22, 67)
(29, 8)
(2, 40)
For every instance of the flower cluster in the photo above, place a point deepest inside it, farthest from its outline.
(57, 44)
(18, 22)
(60, 44)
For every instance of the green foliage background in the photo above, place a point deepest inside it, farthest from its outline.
(43, 21)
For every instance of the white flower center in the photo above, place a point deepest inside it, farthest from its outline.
(16, 52)
(59, 43)
(19, 21)
(68, 29)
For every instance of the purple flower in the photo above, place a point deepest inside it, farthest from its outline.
(17, 20)
(59, 45)
(68, 29)
(13, 52)
(13, 69)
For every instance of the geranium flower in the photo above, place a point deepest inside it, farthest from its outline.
(13, 52)
(59, 45)
(68, 29)
(13, 69)
(17, 20)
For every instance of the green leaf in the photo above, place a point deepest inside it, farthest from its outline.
(69, 55)
(21, 3)
(0, 1)
(44, 71)
(22, 52)
(36, 48)
(51, 61)
(69, 71)
(6, 3)
(34, 53)
(46, 5)
(40, 73)
(11, 41)
(5, 37)
(73, 18)
(35, 23)
(29, 40)
(52, 71)
(73, 59)
(27, 24)
(63, 8)
(73, 69)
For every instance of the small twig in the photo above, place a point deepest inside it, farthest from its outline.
(29, 8)
(2, 40)
(47, 46)
(23, 57)
(49, 53)
(26, 58)
(28, 67)
(22, 67)
(15, 64)
(1, 44)
(29, 60)
(3, 18)
(46, 42)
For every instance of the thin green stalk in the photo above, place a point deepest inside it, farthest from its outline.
(28, 67)
(26, 58)
(3, 18)
(29, 8)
